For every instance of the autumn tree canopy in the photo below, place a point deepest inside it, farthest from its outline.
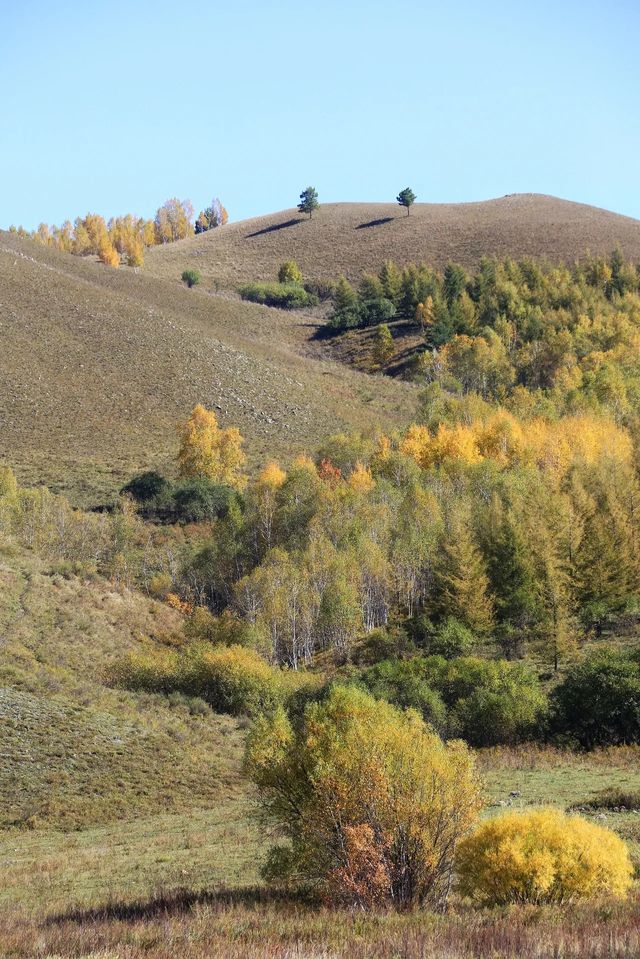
(372, 802)
(208, 451)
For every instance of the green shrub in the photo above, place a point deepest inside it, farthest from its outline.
(200, 500)
(375, 311)
(231, 679)
(542, 856)
(150, 672)
(223, 630)
(348, 315)
(191, 277)
(487, 703)
(598, 703)
(286, 296)
(509, 712)
(493, 703)
(451, 639)
(381, 644)
(401, 684)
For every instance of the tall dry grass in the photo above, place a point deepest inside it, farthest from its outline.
(252, 925)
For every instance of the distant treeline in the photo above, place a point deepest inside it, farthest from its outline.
(125, 238)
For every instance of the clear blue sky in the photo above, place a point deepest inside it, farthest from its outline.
(113, 107)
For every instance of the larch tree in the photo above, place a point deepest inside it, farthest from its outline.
(461, 581)
(383, 348)
(511, 574)
(391, 280)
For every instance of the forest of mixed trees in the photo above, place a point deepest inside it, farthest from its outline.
(461, 565)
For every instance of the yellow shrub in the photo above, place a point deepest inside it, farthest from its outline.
(542, 856)
(8, 482)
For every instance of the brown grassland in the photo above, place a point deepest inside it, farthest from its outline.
(353, 238)
(98, 365)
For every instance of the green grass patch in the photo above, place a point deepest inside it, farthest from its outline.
(286, 296)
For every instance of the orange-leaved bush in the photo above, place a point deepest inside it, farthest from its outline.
(542, 856)
(371, 801)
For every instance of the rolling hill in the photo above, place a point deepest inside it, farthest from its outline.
(353, 238)
(98, 365)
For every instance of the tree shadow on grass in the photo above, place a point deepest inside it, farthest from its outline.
(171, 903)
(275, 227)
(380, 222)
(325, 332)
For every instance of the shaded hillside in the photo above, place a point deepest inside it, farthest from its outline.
(353, 238)
(97, 366)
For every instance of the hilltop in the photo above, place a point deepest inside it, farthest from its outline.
(98, 365)
(353, 238)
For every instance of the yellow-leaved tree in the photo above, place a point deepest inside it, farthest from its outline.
(372, 802)
(210, 452)
(265, 493)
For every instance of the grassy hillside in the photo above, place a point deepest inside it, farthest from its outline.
(75, 752)
(353, 238)
(98, 365)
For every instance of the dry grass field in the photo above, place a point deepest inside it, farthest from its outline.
(98, 365)
(353, 238)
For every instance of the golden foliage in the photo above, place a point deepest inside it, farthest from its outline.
(371, 800)
(425, 314)
(108, 254)
(501, 437)
(542, 856)
(361, 480)
(173, 221)
(208, 451)
(272, 476)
